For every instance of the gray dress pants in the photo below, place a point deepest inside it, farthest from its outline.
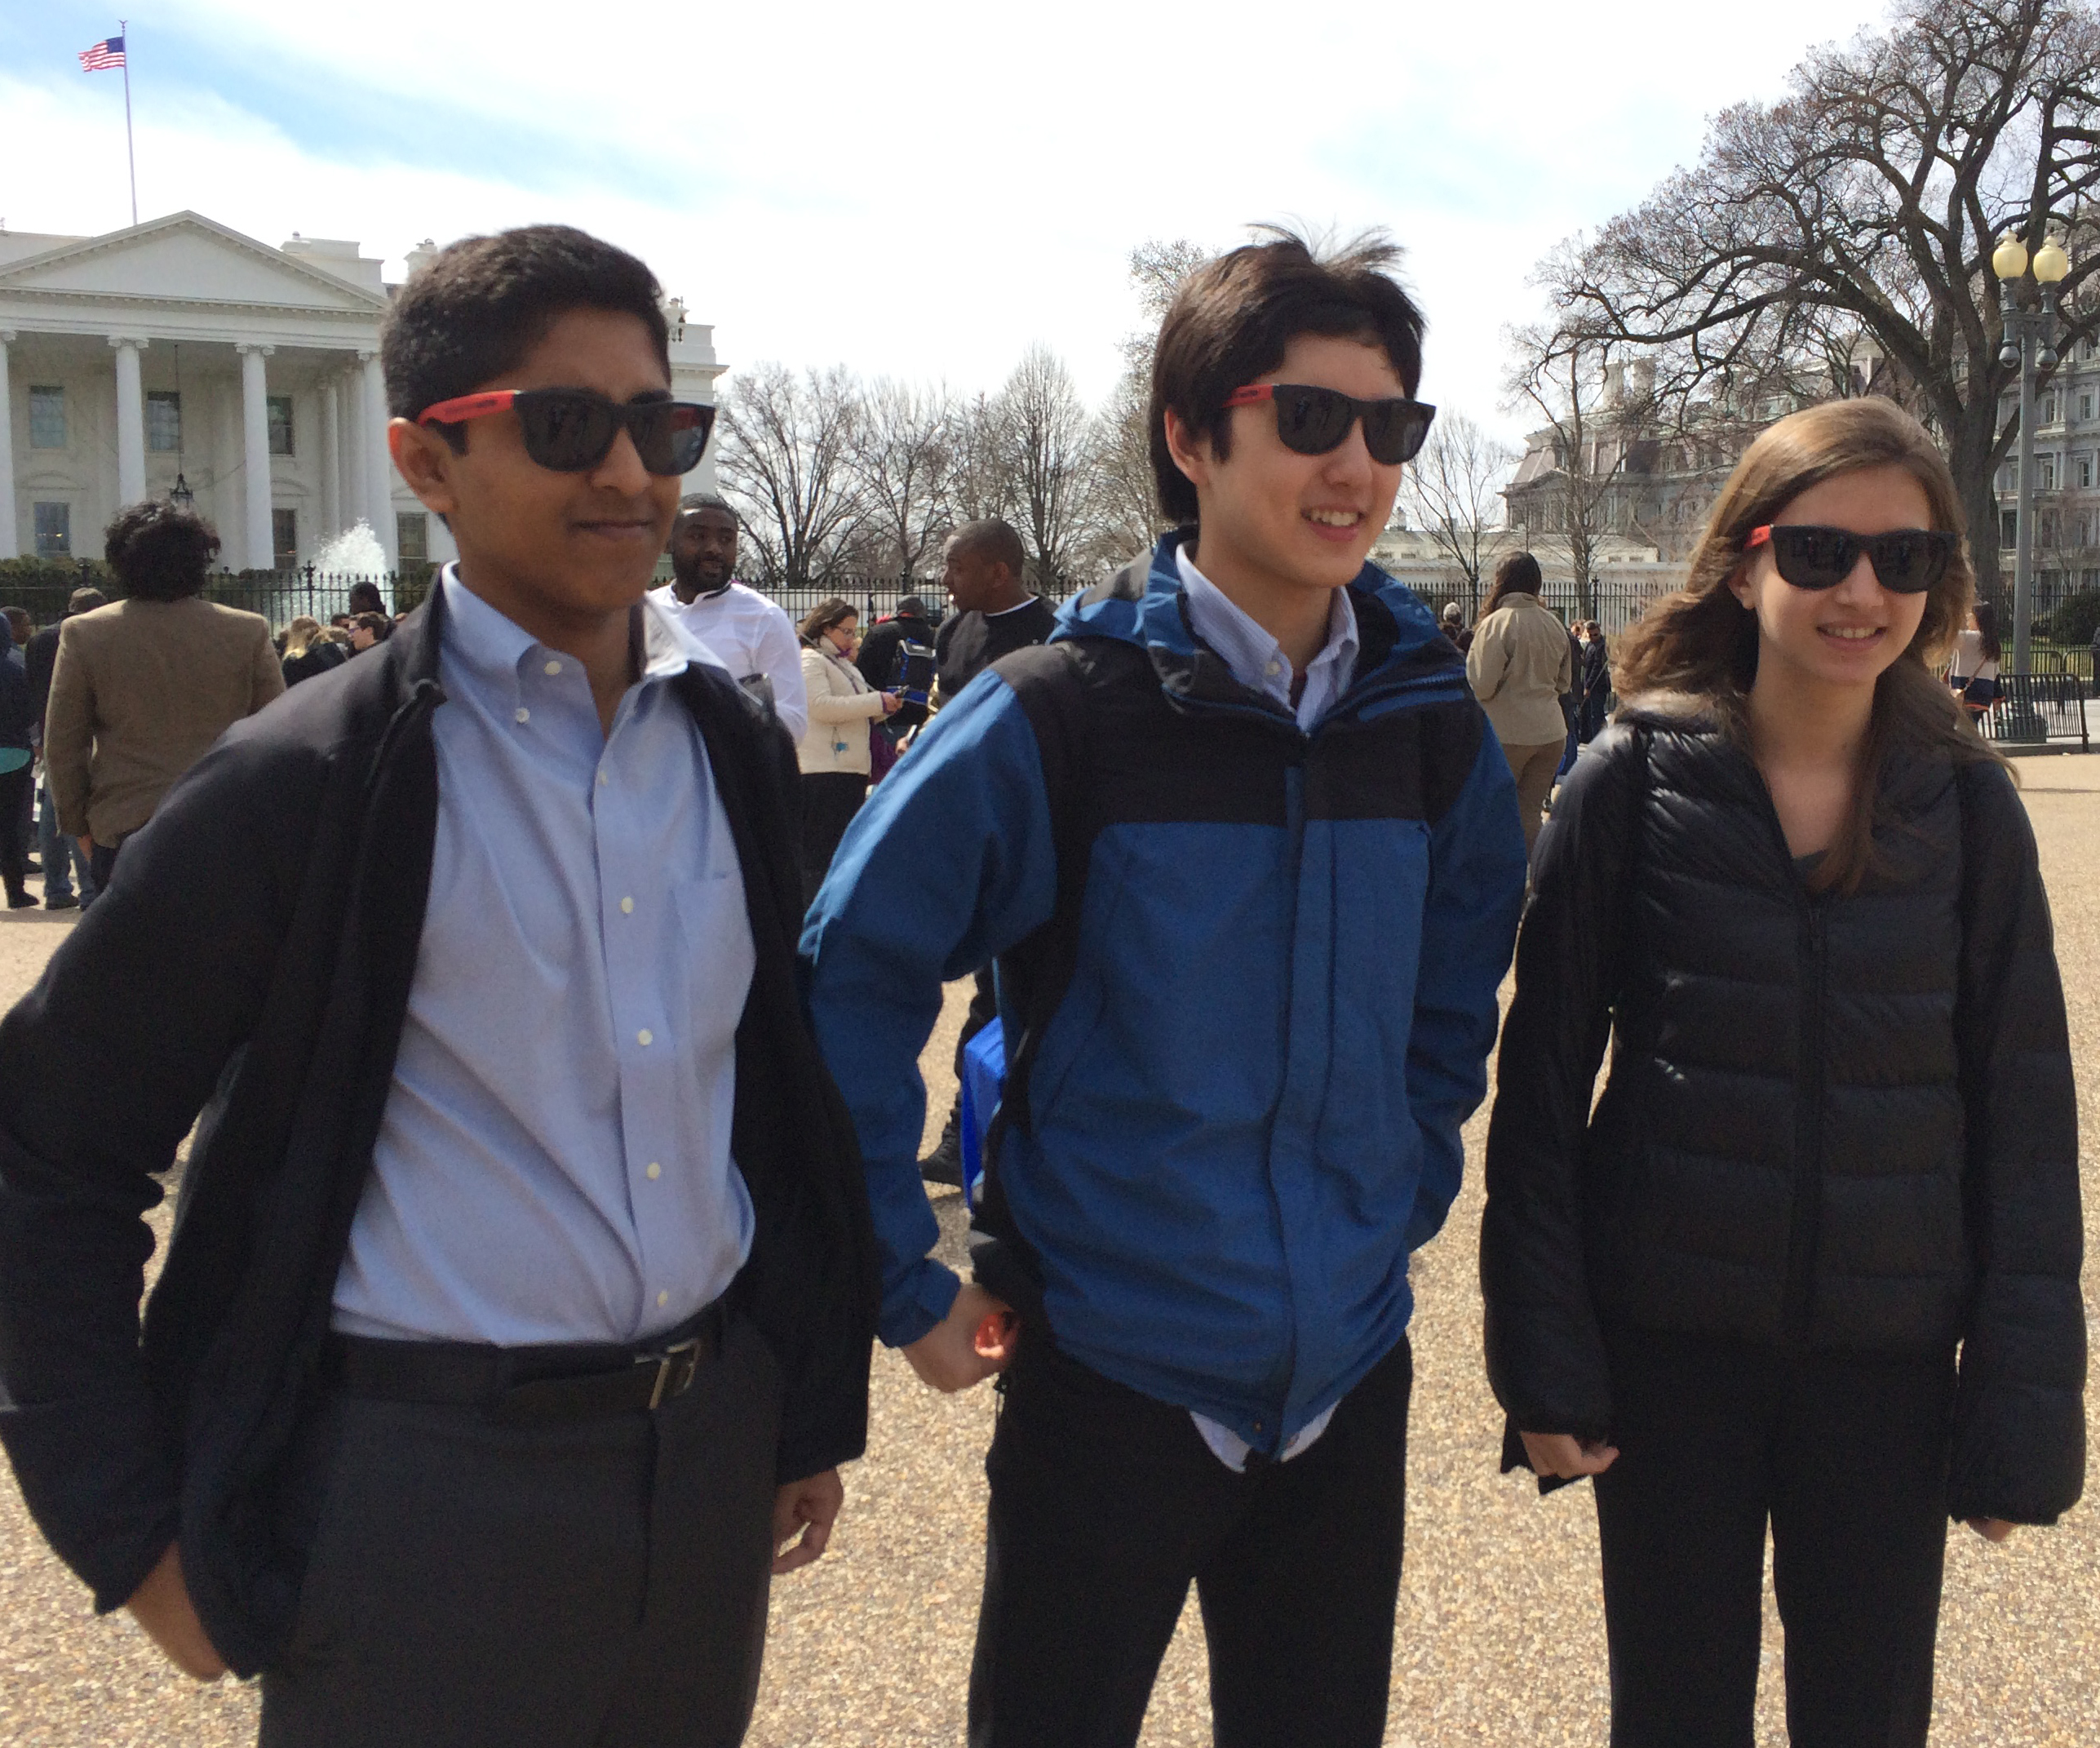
(598, 1584)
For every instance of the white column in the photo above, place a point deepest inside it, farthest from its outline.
(255, 454)
(131, 421)
(10, 539)
(351, 398)
(331, 462)
(378, 464)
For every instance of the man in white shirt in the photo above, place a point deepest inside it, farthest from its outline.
(754, 638)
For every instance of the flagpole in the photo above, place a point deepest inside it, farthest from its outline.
(130, 154)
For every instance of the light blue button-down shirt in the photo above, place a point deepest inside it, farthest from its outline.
(1256, 659)
(554, 1162)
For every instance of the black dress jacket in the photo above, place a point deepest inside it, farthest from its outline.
(252, 960)
(1832, 1122)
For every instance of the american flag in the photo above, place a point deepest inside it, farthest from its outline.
(104, 55)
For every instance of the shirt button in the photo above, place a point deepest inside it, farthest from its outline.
(627, 907)
(645, 1037)
(523, 714)
(552, 667)
(1275, 667)
(655, 1171)
(602, 779)
(662, 1299)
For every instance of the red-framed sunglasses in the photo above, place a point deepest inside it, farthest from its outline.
(1313, 421)
(572, 430)
(1907, 561)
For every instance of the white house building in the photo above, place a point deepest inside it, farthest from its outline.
(178, 350)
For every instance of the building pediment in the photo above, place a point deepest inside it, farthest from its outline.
(190, 259)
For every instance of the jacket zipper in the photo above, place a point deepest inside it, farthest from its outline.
(1799, 1302)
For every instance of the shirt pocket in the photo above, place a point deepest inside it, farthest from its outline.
(718, 959)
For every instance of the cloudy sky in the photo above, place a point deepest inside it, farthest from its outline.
(922, 189)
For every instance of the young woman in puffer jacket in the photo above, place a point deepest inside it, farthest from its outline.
(1814, 1258)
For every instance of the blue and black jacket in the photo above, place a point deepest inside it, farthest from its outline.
(1247, 975)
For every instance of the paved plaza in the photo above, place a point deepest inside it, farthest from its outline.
(1499, 1635)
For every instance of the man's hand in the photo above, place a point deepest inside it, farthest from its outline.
(977, 1338)
(87, 845)
(811, 1507)
(1566, 1458)
(161, 1605)
(1991, 1528)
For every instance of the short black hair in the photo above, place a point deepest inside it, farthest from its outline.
(364, 597)
(159, 552)
(694, 502)
(1233, 316)
(481, 304)
(995, 538)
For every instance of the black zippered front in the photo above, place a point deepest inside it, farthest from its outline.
(1807, 1200)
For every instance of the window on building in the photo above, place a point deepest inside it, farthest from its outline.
(280, 424)
(412, 536)
(54, 530)
(46, 418)
(2049, 410)
(2085, 530)
(2085, 406)
(2045, 478)
(283, 539)
(163, 421)
(2009, 529)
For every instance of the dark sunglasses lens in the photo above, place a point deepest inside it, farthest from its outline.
(1814, 557)
(670, 436)
(568, 433)
(1909, 562)
(1393, 430)
(1312, 421)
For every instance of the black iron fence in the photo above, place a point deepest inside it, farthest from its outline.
(279, 596)
(2036, 709)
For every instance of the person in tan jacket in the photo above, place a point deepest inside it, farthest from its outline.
(833, 753)
(1520, 664)
(143, 687)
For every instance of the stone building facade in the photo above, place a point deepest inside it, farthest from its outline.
(179, 351)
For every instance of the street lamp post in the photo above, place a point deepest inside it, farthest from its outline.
(2030, 344)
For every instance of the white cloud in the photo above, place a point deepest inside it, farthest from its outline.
(922, 189)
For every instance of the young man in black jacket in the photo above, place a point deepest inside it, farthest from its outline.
(519, 1308)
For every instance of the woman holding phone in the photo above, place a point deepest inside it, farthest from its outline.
(1813, 1261)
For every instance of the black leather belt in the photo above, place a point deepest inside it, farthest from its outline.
(530, 1386)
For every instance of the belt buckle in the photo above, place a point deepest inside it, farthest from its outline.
(681, 1360)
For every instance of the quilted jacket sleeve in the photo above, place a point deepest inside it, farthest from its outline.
(2019, 1435)
(1545, 1351)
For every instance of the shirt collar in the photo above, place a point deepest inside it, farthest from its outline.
(490, 645)
(1248, 649)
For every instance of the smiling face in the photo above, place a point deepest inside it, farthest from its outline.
(550, 549)
(1307, 521)
(1848, 636)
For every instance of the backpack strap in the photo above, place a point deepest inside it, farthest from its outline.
(1051, 682)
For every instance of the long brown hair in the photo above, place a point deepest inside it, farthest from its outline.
(1517, 575)
(833, 610)
(1702, 642)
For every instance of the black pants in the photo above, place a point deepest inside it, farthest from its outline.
(1847, 1456)
(103, 862)
(594, 1584)
(830, 800)
(15, 787)
(1105, 1505)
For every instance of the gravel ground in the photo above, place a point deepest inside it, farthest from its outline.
(1500, 1636)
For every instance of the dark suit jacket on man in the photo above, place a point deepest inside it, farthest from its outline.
(253, 958)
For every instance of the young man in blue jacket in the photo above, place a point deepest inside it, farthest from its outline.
(1250, 867)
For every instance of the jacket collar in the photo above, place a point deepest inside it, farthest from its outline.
(1400, 644)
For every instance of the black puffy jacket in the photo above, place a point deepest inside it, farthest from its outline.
(1831, 1121)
